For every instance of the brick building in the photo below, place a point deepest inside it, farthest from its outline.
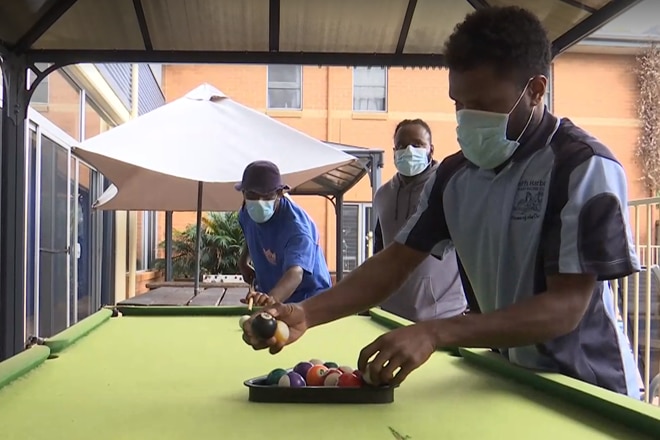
(361, 106)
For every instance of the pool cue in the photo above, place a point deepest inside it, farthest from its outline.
(251, 300)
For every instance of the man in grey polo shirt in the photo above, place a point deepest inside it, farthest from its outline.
(434, 289)
(536, 209)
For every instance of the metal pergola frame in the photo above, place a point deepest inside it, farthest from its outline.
(19, 56)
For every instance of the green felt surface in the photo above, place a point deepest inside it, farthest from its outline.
(68, 337)
(21, 364)
(182, 377)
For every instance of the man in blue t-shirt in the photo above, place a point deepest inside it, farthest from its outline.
(281, 240)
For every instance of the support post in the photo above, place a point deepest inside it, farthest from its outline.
(12, 206)
(339, 210)
(169, 275)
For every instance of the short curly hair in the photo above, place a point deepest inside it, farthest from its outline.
(409, 122)
(509, 39)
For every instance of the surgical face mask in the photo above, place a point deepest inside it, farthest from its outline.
(260, 210)
(411, 161)
(482, 135)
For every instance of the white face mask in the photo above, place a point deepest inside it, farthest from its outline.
(482, 135)
(411, 161)
(260, 210)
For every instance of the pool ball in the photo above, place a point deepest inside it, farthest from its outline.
(316, 375)
(366, 377)
(331, 365)
(345, 369)
(291, 380)
(264, 326)
(282, 332)
(302, 368)
(349, 380)
(274, 376)
(331, 378)
(242, 320)
(316, 361)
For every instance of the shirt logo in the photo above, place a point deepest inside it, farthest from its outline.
(528, 203)
(270, 256)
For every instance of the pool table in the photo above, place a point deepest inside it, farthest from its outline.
(154, 372)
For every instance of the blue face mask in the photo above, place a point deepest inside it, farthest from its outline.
(260, 210)
(411, 161)
(482, 136)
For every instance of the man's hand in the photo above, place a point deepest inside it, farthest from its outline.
(403, 349)
(259, 299)
(291, 314)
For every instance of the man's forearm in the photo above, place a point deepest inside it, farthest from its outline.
(371, 283)
(245, 254)
(534, 320)
(287, 284)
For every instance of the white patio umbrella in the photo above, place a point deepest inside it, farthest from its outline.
(188, 154)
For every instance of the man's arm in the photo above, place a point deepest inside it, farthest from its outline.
(540, 318)
(287, 284)
(298, 258)
(377, 278)
(587, 238)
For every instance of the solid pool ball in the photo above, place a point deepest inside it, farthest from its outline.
(316, 361)
(291, 380)
(274, 376)
(282, 332)
(316, 375)
(264, 326)
(349, 380)
(302, 368)
(331, 378)
(242, 320)
(331, 365)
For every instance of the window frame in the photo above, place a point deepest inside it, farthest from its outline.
(385, 87)
(268, 88)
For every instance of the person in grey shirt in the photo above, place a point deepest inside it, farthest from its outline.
(434, 289)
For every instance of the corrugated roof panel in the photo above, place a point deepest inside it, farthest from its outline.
(94, 24)
(207, 24)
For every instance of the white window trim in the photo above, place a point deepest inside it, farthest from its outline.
(268, 106)
(387, 92)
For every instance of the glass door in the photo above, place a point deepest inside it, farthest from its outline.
(53, 238)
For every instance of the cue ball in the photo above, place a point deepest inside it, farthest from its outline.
(242, 320)
(282, 332)
(264, 325)
(291, 380)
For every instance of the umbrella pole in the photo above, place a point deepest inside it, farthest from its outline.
(198, 236)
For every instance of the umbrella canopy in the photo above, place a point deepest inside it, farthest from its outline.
(156, 161)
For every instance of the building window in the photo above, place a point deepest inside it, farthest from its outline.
(356, 224)
(285, 87)
(549, 95)
(370, 89)
(40, 94)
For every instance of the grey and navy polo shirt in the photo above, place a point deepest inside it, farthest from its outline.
(558, 206)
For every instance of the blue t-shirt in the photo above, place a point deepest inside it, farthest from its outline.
(290, 238)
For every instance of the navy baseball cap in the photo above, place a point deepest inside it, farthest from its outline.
(261, 177)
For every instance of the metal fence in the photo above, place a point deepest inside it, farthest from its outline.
(638, 295)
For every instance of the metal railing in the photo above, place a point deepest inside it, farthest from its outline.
(639, 315)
